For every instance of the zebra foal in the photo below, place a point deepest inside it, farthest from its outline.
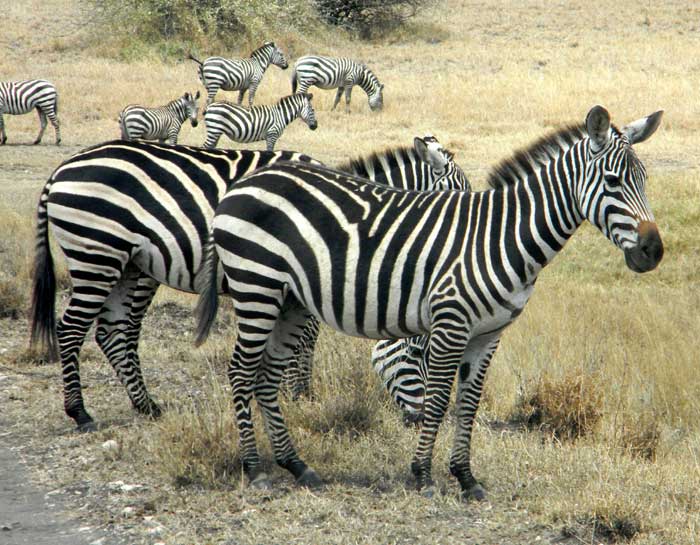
(21, 97)
(239, 74)
(163, 123)
(337, 73)
(259, 122)
(297, 241)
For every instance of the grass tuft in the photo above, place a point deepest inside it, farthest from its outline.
(641, 435)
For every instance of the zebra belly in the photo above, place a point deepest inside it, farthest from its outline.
(503, 315)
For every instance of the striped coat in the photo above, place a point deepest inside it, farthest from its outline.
(162, 124)
(21, 97)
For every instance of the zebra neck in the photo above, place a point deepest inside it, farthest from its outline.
(178, 109)
(262, 57)
(537, 213)
(368, 82)
(289, 108)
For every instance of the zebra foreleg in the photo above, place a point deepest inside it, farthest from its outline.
(251, 93)
(338, 94)
(348, 93)
(447, 344)
(472, 373)
(271, 139)
(42, 126)
(279, 350)
(241, 92)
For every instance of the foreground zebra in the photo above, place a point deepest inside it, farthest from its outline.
(239, 74)
(340, 73)
(130, 216)
(401, 366)
(21, 97)
(162, 124)
(258, 123)
(300, 240)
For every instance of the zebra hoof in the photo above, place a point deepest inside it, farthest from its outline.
(150, 409)
(87, 427)
(261, 482)
(36, 142)
(413, 419)
(475, 493)
(310, 479)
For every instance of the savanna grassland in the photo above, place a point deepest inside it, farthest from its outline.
(589, 427)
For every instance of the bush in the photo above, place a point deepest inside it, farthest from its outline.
(369, 17)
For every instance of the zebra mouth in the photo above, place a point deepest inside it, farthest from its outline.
(195, 122)
(648, 252)
(313, 126)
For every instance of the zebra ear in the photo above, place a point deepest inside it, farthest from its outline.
(309, 96)
(188, 96)
(642, 129)
(598, 126)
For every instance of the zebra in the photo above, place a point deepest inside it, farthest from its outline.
(337, 72)
(21, 97)
(259, 123)
(239, 74)
(161, 123)
(373, 261)
(128, 217)
(105, 203)
(400, 363)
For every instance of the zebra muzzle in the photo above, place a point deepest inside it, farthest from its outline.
(648, 252)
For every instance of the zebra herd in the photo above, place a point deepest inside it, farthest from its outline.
(394, 246)
(240, 124)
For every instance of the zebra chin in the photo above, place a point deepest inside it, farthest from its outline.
(649, 250)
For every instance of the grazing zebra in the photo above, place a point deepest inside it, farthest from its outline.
(402, 368)
(105, 204)
(128, 217)
(259, 123)
(340, 73)
(21, 97)
(372, 261)
(159, 123)
(239, 74)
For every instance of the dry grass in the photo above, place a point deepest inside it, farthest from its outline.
(615, 344)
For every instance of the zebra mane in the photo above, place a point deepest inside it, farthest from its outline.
(265, 50)
(530, 159)
(393, 157)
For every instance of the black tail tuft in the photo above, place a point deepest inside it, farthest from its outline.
(294, 80)
(43, 312)
(208, 303)
(195, 59)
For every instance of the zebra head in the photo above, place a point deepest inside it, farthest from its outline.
(614, 198)
(376, 98)
(191, 107)
(446, 173)
(307, 111)
(277, 56)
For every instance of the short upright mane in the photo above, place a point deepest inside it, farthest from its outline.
(529, 159)
(377, 160)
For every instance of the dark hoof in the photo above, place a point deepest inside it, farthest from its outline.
(310, 479)
(36, 142)
(413, 420)
(150, 409)
(87, 427)
(475, 493)
(261, 482)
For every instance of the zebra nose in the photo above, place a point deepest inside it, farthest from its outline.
(195, 122)
(650, 243)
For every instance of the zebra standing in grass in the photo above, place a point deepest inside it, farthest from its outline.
(260, 122)
(130, 216)
(21, 97)
(239, 74)
(340, 73)
(160, 124)
(401, 363)
(297, 241)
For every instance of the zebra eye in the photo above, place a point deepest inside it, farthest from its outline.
(612, 180)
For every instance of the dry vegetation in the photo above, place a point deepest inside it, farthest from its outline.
(596, 340)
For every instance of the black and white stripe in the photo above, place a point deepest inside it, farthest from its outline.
(337, 73)
(128, 217)
(372, 261)
(21, 97)
(400, 363)
(163, 123)
(239, 74)
(257, 123)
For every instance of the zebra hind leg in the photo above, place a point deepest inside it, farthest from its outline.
(338, 94)
(3, 134)
(42, 124)
(279, 351)
(116, 326)
(297, 379)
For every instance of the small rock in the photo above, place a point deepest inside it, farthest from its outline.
(128, 512)
(110, 446)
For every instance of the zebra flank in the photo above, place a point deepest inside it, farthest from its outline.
(21, 97)
(337, 73)
(163, 123)
(239, 74)
(298, 241)
(258, 123)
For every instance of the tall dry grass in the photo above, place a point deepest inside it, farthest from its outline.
(485, 78)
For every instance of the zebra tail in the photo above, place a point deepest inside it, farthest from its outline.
(195, 59)
(294, 80)
(43, 311)
(122, 127)
(207, 286)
